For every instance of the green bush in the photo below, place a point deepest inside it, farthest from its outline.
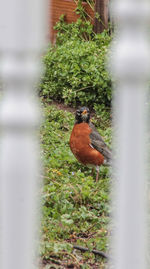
(80, 30)
(75, 70)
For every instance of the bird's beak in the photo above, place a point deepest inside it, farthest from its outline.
(84, 112)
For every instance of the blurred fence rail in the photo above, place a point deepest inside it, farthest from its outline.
(130, 69)
(23, 31)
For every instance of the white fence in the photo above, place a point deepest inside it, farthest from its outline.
(22, 39)
(131, 69)
(22, 29)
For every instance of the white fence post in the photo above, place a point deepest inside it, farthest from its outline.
(131, 69)
(22, 39)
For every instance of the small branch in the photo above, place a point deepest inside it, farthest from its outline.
(84, 88)
(97, 252)
(49, 260)
(71, 255)
(91, 4)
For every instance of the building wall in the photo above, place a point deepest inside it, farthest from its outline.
(66, 7)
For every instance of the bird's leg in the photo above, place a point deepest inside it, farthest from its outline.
(93, 169)
(97, 174)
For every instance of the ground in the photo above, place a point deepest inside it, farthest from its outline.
(75, 208)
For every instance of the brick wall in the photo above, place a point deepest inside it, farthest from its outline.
(66, 7)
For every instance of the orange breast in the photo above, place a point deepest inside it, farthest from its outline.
(80, 145)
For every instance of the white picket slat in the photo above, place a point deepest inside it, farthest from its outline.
(130, 68)
(23, 32)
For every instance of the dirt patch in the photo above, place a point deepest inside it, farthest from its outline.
(64, 107)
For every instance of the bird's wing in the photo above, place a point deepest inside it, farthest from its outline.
(98, 143)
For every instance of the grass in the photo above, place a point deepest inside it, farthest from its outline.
(75, 208)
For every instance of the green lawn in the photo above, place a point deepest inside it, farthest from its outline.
(75, 208)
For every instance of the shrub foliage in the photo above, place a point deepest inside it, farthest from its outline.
(75, 70)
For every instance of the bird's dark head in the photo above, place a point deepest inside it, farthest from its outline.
(82, 115)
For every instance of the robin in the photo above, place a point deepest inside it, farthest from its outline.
(86, 143)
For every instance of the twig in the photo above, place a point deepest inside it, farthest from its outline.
(78, 90)
(47, 261)
(90, 228)
(97, 252)
(71, 255)
(43, 176)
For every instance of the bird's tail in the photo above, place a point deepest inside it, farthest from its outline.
(107, 157)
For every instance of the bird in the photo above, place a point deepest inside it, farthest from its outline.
(86, 143)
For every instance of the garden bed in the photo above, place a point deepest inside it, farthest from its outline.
(75, 208)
